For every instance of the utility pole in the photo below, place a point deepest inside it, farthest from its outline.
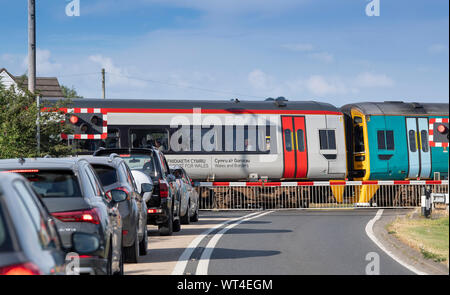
(103, 83)
(38, 125)
(32, 46)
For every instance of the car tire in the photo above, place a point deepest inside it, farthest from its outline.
(143, 245)
(166, 229)
(109, 263)
(194, 218)
(187, 216)
(132, 252)
(177, 223)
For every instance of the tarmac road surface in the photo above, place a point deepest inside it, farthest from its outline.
(294, 242)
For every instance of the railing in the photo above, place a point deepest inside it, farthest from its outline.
(315, 194)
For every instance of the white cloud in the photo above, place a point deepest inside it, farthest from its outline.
(437, 48)
(116, 76)
(319, 85)
(258, 79)
(367, 79)
(44, 63)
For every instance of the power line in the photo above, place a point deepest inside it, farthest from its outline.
(74, 75)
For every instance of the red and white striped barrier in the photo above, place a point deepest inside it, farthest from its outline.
(322, 183)
(431, 132)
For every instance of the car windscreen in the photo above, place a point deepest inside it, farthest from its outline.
(5, 239)
(107, 174)
(54, 183)
(141, 162)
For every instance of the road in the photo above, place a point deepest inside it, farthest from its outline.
(296, 242)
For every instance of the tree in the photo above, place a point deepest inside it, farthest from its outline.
(18, 117)
(69, 92)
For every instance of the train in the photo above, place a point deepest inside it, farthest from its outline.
(272, 140)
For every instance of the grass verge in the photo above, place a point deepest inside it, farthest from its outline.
(429, 236)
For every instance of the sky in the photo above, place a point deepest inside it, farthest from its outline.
(323, 50)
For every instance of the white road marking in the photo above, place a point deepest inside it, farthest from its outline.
(202, 267)
(184, 257)
(369, 232)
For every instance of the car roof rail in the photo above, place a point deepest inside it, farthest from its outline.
(47, 156)
(113, 156)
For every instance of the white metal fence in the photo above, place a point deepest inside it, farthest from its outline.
(317, 194)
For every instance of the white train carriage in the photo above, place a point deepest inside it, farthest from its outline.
(221, 140)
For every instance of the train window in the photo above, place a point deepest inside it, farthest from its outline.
(300, 140)
(113, 139)
(327, 139)
(390, 140)
(381, 140)
(385, 140)
(143, 138)
(424, 139)
(412, 141)
(288, 140)
(359, 139)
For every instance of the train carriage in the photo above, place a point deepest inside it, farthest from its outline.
(391, 140)
(221, 140)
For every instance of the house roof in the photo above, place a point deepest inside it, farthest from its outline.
(45, 86)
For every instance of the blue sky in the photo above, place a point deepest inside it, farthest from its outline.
(325, 50)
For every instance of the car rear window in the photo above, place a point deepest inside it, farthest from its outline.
(141, 162)
(54, 183)
(107, 174)
(5, 239)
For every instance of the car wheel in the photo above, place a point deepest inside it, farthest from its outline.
(143, 245)
(194, 218)
(166, 229)
(109, 261)
(187, 216)
(132, 252)
(177, 223)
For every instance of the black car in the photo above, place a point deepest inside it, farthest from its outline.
(29, 240)
(73, 194)
(164, 204)
(115, 174)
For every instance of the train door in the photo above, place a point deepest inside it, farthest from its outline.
(413, 153)
(418, 148)
(294, 147)
(424, 148)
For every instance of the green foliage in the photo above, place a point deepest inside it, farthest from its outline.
(18, 117)
(69, 92)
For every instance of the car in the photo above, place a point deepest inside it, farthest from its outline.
(144, 184)
(115, 174)
(72, 192)
(29, 240)
(189, 196)
(164, 204)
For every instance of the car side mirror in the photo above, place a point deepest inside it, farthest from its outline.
(85, 243)
(146, 188)
(118, 196)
